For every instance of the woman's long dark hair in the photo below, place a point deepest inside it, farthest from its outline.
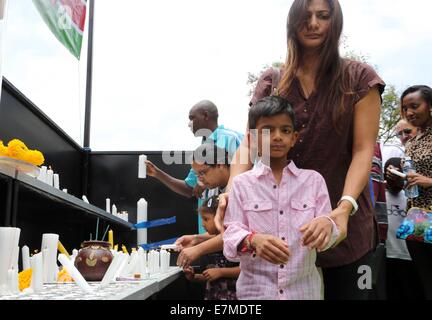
(331, 66)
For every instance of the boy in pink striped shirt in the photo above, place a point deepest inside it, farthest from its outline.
(273, 209)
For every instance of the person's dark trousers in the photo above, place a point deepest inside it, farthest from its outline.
(402, 280)
(421, 255)
(355, 281)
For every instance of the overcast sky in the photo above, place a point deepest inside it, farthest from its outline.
(154, 59)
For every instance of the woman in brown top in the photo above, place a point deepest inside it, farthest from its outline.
(416, 108)
(337, 106)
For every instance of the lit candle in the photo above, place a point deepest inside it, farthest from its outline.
(116, 247)
(141, 217)
(25, 251)
(142, 169)
(56, 179)
(124, 249)
(111, 238)
(108, 205)
(62, 249)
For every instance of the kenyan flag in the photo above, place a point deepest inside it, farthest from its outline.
(66, 19)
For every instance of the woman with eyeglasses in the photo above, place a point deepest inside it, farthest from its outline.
(405, 131)
(337, 105)
(416, 108)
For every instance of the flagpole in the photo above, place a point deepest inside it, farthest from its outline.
(87, 118)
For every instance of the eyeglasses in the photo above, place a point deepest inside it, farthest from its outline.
(405, 131)
(203, 172)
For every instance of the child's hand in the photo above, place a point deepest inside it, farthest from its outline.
(270, 248)
(317, 233)
(212, 274)
(189, 273)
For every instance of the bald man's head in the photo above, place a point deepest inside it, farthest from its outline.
(203, 115)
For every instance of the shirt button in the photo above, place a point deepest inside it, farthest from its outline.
(274, 187)
(297, 155)
(305, 110)
(254, 255)
(282, 266)
(256, 206)
(301, 141)
(283, 239)
(304, 126)
(281, 291)
(281, 212)
(305, 206)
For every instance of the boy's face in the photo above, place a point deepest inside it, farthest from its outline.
(208, 222)
(276, 136)
(211, 176)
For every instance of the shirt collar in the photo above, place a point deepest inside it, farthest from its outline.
(262, 169)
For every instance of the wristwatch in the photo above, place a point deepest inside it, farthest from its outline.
(353, 203)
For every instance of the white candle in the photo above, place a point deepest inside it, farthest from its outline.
(112, 269)
(85, 199)
(123, 264)
(65, 190)
(114, 209)
(141, 217)
(142, 169)
(74, 273)
(50, 242)
(108, 205)
(164, 261)
(25, 252)
(13, 281)
(50, 177)
(36, 263)
(43, 174)
(56, 179)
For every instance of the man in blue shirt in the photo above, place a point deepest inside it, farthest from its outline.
(203, 121)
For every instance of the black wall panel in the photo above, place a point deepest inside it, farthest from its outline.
(114, 175)
(21, 119)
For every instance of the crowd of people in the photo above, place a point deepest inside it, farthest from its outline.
(296, 219)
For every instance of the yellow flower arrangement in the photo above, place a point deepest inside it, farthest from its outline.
(17, 149)
(64, 276)
(24, 279)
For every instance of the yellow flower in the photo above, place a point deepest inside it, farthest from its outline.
(24, 279)
(64, 276)
(17, 149)
(3, 149)
(34, 157)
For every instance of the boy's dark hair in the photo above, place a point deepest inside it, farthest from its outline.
(396, 185)
(210, 205)
(208, 153)
(269, 107)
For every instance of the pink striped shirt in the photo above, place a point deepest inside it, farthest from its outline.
(257, 203)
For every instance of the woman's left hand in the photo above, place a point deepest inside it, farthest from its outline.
(212, 274)
(317, 233)
(419, 180)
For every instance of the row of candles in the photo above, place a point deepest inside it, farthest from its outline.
(45, 269)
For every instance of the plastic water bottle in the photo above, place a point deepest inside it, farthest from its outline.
(408, 167)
